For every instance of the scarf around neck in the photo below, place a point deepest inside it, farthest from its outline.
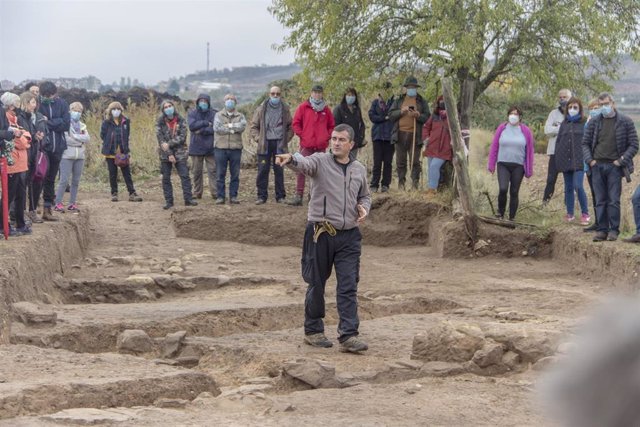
(317, 105)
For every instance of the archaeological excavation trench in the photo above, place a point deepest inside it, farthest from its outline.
(205, 305)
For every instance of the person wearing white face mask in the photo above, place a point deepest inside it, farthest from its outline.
(114, 133)
(569, 160)
(72, 159)
(609, 144)
(348, 112)
(228, 125)
(512, 151)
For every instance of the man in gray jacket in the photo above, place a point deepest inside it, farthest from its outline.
(340, 201)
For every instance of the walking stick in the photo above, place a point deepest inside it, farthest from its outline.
(5, 196)
(413, 148)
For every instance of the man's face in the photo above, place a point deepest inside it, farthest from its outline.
(316, 95)
(340, 143)
(563, 95)
(606, 102)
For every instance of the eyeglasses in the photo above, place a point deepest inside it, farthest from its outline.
(275, 93)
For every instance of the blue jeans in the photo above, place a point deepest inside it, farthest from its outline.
(607, 184)
(635, 201)
(434, 165)
(574, 181)
(231, 158)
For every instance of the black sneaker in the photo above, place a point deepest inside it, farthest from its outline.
(593, 227)
(167, 206)
(384, 189)
(600, 236)
(353, 345)
(318, 340)
(114, 197)
(612, 236)
(191, 203)
(219, 201)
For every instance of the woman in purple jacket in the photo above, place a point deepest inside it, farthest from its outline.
(512, 150)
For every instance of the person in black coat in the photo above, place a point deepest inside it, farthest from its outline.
(383, 150)
(348, 112)
(570, 160)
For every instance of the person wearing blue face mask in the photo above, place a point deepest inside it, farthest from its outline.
(408, 114)
(569, 160)
(348, 112)
(609, 144)
(201, 149)
(72, 159)
(229, 124)
(551, 128)
(271, 131)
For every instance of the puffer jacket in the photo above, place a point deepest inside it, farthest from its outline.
(76, 143)
(258, 129)
(395, 113)
(568, 150)
(379, 116)
(201, 128)
(228, 126)
(176, 139)
(626, 139)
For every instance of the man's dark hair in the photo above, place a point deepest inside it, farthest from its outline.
(345, 128)
(48, 89)
(605, 95)
(29, 85)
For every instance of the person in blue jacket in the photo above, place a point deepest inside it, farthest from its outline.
(56, 110)
(200, 121)
(383, 150)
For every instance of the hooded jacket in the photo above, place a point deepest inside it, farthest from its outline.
(258, 129)
(313, 128)
(395, 113)
(58, 122)
(177, 139)
(201, 127)
(76, 143)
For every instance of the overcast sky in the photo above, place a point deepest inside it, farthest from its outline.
(150, 40)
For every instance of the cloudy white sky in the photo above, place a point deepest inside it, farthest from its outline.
(150, 40)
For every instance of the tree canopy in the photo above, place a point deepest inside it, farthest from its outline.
(539, 45)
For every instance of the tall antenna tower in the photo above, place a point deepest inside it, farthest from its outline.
(207, 59)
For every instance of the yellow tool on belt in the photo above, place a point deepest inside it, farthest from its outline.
(321, 227)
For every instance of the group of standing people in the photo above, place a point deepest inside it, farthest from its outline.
(597, 141)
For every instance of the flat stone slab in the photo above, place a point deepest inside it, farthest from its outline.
(35, 381)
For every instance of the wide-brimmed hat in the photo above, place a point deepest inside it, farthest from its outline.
(411, 81)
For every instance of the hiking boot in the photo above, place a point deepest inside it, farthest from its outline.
(261, 202)
(296, 201)
(190, 203)
(167, 206)
(633, 239)
(612, 236)
(592, 227)
(384, 189)
(47, 215)
(585, 219)
(373, 189)
(133, 197)
(219, 201)
(318, 340)
(600, 236)
(73, 208)
(35, 219)
(59, 208)
(353, 345)
(415, 184)
(234, 201)
(114, 197)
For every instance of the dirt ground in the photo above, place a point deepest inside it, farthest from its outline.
(216, 298)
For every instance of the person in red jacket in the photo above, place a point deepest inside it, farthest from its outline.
(437, 139)
(313, 123)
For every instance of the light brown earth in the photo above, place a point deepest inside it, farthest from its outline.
(229, 277)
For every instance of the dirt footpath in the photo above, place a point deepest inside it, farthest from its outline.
(194, 317)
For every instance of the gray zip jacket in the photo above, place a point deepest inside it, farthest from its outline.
(331, 187)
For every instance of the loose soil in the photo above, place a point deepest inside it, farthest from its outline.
(229, 278)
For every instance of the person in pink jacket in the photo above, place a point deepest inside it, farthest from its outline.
(512, 152)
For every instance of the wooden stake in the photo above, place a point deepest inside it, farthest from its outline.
(463, 182)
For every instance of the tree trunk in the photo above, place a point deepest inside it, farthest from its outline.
(463, 182)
